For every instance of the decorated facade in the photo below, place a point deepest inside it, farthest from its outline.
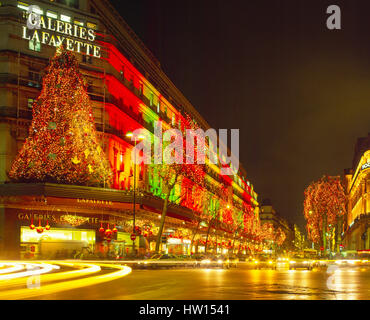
(74, 89)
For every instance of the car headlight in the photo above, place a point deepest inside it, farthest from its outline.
(292, 262)
(256, 262)
(270, 262)
(205, 261)
(219, 261)
(305, 262)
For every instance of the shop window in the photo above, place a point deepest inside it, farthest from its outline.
(34, 45)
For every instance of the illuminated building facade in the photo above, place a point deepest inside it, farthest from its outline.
(269, 215)
(128, 91)
(357, 181)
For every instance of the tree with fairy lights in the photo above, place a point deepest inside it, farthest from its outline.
(324, 205)
(62, 145)
(172, 172)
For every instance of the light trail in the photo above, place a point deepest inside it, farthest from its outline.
(15, 267)
(53, 288)
(38, 269)
(88, 269)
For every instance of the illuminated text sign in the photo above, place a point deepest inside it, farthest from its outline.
(55, 32)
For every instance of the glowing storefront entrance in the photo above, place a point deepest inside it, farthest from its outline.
(178, 246)
(55, 243)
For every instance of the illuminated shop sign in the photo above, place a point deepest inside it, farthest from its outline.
(63, 219)
(53, 32)
(365, 166)
(93, 201)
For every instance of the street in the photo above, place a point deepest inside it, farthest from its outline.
(241, 283)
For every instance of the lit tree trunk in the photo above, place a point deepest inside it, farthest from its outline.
(161, 226)
(324, 222)
(194, 234)
(339, 233)
(209, 227)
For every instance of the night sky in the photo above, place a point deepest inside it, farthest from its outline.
(298, 92)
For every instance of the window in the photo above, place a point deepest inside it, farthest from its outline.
(158, 106)
(122, 73)
(151, 98)
(86, 58)
(30, 102)
(69, 3)
(89, 85)
(91, 25)
(22, 5)
(65, 18)
(141, 89)
(52, 14)
(78, 22)
(34, 45)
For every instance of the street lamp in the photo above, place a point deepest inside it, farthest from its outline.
(129, 134)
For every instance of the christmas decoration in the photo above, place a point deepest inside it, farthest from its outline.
(62, 146)
(40, 229)
(101, 230)
(74, 221)
(108, 232)
(32, 226)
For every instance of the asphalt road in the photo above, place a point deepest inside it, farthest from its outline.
(233, 284)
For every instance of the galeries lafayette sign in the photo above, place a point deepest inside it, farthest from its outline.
(54, 32)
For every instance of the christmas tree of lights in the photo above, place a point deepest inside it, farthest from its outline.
(62, 146)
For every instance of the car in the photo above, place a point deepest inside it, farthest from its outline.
(243, 257)
(233, 260)
(301, 263)
(215, 262)
(199, 256)
(264, 263)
